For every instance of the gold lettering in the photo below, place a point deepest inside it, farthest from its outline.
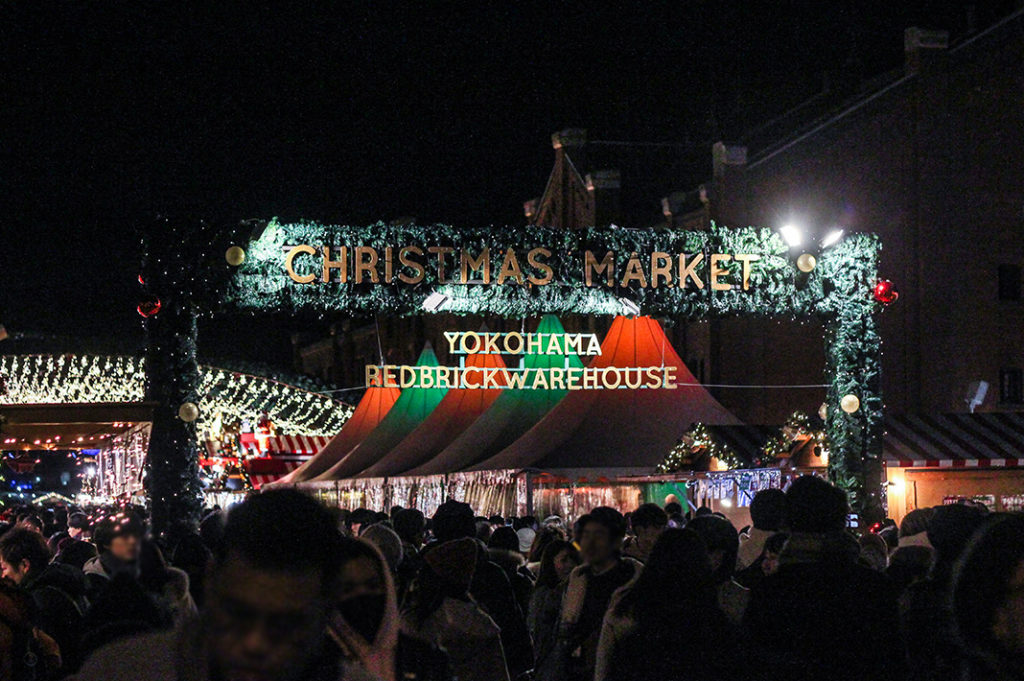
(661, 268)
(687, 272)
(417, 267)
(471, 264)
(289, 264)
(510, 268)
(592, 267)
(340, 265)
(441, 252)
(389, 265)
(717, 271)
(372, 376)
(634, 272)
(368, 266)
(532, 258)
(746, 259)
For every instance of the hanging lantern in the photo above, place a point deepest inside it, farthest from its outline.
(850, 403)
(235, 256)
(885, 292)
(188, 412)
(149, 307)
(806, 262)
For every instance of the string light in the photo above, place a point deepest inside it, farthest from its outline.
(90, 379)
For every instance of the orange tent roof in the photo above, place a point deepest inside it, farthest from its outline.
(617, 428)
(456, 412)
(376, 403)
(412, 406)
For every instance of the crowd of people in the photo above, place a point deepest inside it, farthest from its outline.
(280, 588)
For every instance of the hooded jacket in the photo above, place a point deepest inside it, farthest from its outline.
(392, 655)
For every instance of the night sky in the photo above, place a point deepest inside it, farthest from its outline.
(112, 112)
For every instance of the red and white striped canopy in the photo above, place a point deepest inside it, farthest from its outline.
(260, 479)
(306, 445)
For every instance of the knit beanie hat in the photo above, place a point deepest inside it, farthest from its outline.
(387, 541)
(454, 561)
(526, 536)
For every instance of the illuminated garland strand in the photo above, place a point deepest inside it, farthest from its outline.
(77, 379)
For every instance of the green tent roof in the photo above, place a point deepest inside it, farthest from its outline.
(412, 407)
(511, 415)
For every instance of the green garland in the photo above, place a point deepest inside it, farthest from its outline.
(697, 439)
(191, 267)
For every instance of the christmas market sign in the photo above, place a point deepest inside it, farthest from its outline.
(308, 267)
(497, 378)
(196, 268)
(448, 265)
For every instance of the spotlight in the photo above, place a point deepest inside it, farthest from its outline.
(832, 238)
(791, 235)
(630, 308)
(434, 301)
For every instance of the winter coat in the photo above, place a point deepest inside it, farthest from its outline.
(582, 617)
(542, 620)
(59, 595)
(514, 565)
(824, 616)
(178, 655)
(174, 597)
(493, 591)
(391, 655)
(470, 637)
(684, 646)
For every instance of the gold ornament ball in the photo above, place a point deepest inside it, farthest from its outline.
(823, 411)
(188, 412)
(850, 403)
(235, 256)
(806, 262)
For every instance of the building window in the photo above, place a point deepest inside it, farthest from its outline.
(1009, 282)
(1011, 386)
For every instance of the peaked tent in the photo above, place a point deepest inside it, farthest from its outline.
(617, 428)
(376, 403)
(512, 414)
(409, 410)
(456, 412)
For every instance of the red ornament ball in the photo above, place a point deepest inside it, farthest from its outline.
(148, 308)
(885, 292)
(142, 282)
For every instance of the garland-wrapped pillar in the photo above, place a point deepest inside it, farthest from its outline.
(173, 258)
(172, 380)
(853, 365)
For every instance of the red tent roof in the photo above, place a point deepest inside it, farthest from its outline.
(369, 412)
(512, 414)
(408, 411)
(617, 428)
(456, 412)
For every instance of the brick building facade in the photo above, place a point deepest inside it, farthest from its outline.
(929, 158)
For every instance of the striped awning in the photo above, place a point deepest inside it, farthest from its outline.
(989, 440)
(260, 479)
(296, 444)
